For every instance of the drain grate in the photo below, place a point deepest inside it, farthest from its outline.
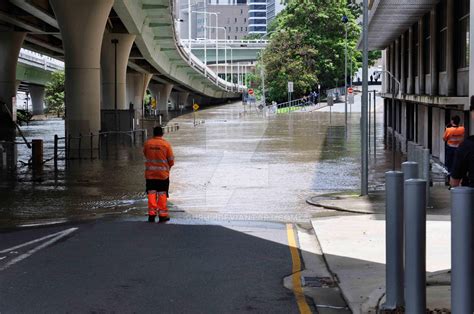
(317, 282)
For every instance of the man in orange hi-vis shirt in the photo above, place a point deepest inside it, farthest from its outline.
(159, 160)
(453, 136)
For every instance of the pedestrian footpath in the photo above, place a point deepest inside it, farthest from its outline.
(354, 248)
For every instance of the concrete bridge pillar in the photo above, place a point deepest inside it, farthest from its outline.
(17, 85)
(82, 24)
(162, 93)
(183, 99)
(137, 84)
(123, 43)
(37, 98)
(10, 44)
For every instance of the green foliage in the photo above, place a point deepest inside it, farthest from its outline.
(307, 46)
(55, 94)
(23, 116)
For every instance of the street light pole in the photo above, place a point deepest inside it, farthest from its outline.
(345, 20)
(364, 189)
(115, 42)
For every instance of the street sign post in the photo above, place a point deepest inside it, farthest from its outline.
(290, 90)
(195, 108)
(350, 99)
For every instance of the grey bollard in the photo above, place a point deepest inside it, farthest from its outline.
(394, 239)
(410, 170)
(462, 202)
(415, 246)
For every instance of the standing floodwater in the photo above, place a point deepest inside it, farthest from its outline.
(236, 163)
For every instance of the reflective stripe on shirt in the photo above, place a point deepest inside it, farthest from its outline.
(152, 168)
(157, 160)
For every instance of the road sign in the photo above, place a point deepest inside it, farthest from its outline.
(350, 90)
(250, 91)
(350, 99)
(290, 87)
(195, 107)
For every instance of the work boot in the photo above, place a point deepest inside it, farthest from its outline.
(151, 218)
(164, 219)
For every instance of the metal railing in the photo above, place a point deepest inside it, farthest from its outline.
(297, 104)
(235, 44)
(201, 68)
(90, 146)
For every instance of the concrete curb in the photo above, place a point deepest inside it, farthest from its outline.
(337, 208)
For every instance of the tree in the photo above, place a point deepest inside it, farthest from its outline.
(55, 94)
(307, 46)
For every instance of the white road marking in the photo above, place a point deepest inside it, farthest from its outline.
(34, 241)
(52, 239)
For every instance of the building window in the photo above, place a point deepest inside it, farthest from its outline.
(426, 43)
(235, 37)
(228, 37)
(442, 28)
(245, 20)
(463, 33)
(235, 20)
(241, 11)
(236, 28)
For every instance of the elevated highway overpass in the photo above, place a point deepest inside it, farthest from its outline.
(111, 57)
(33, 72)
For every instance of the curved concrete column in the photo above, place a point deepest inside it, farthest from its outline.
(165, 93)
(37, 98)
(107, 62)
(183, 99)
(137, 84)
(10, 44)
(82, 24)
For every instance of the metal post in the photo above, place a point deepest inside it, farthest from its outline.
(369, 123)
(410, 170)
(393, 124)
(99, 144)
(375, 126)
(462, 288)
(345, 77)
(415, 246)
(56, 151)
(37, 154)
(68, 147)
(115, 42)
(189, 27)
(365, 90)
(394, 239)
(80, 142)
(92, 146)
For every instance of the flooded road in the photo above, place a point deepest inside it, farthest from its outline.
(235, 166)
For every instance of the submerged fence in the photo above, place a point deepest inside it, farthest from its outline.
(90, 146)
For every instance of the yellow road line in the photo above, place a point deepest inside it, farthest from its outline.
(296, 271)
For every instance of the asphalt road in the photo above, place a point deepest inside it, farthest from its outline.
(116, 266)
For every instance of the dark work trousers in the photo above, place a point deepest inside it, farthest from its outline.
(449, 157)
